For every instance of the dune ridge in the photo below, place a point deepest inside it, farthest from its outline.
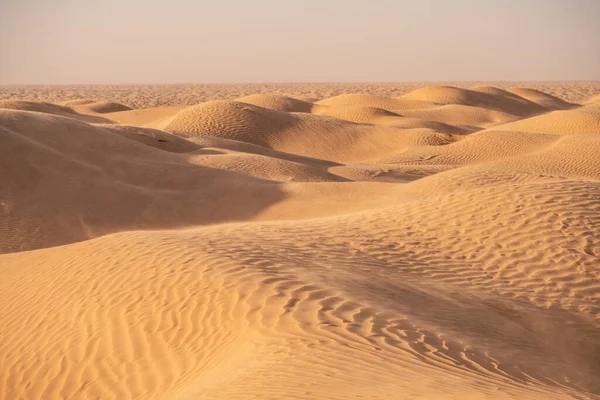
(441, 242)
(146, 96)
(496, 100)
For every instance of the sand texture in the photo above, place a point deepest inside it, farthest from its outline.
(300, 241)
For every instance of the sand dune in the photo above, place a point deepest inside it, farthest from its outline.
(97, 176)
(373, 115)
(484, 99)
(100, 107)
(440, 245)
(42, 107)
(49, 108)
(77, 102)
(581, 120)
(149, 117)
(278, 103)
(544, 99)
(484, 146)
(369, 100)
(147, 96)
(303, 134)
(360, 114)
(153, 138)
(495, 91)
(462, 115)
(231, 120)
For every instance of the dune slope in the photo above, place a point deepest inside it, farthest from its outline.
(271, 248)
(489, 99)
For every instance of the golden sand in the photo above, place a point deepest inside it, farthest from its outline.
(305, 241)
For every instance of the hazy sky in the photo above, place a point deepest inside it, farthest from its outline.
(179, 41)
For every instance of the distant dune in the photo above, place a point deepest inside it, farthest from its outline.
(146, 96)
(278, 102)
(300, 241)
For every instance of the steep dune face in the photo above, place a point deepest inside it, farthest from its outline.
(66, 181)
(450, 250)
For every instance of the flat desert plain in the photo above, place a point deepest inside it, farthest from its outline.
(300, 241)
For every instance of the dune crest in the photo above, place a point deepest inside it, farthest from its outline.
(494, 101)
(544, 99)
(101, 107)
(278, 103)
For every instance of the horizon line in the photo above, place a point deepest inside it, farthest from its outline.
(300, 82)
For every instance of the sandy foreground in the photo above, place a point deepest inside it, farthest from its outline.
(300, 241)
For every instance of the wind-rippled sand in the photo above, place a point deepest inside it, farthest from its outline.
(389, 241)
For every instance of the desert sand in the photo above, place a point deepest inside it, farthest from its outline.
(300, 241)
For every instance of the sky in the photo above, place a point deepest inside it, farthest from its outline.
(226, 41)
